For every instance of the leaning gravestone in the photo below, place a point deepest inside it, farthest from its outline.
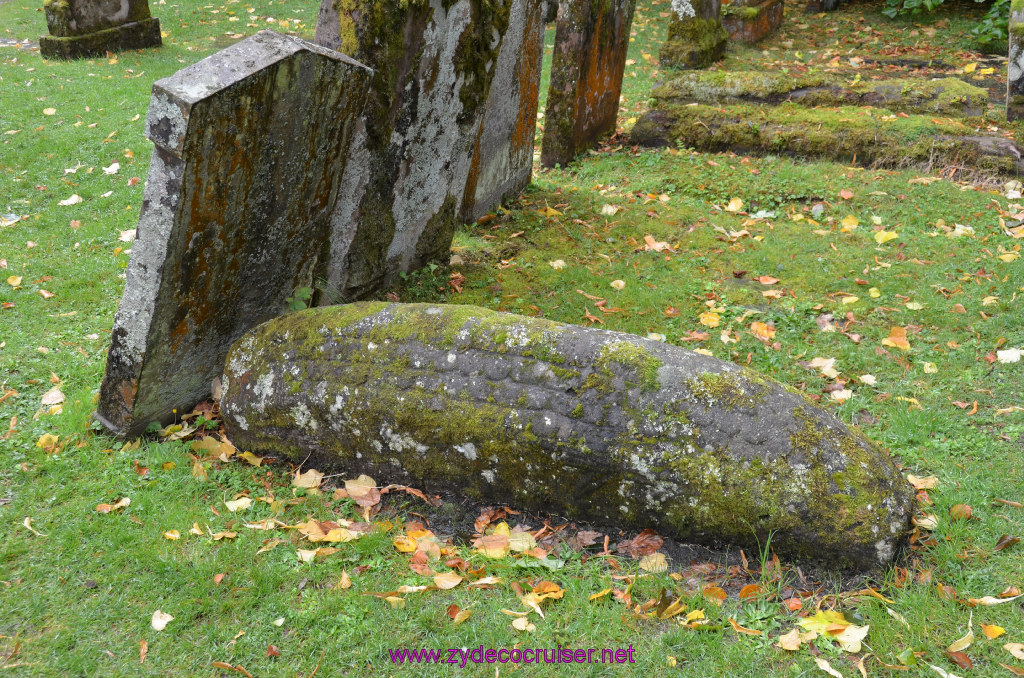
(1015, 79)
(696, 38)
(595, 425)
(249, 149)
(752, 21)
(591, 42)
(85, 28)
(503, 156)
(402, 193)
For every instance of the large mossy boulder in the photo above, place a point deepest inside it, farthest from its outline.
(595, 425)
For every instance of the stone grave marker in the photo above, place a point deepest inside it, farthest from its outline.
(503, 155)
(1015, 79)
(249, 152)
(402, 194)
(86, 28)
(590, 424)
(752, 21)
(696, 38)
(591, 42)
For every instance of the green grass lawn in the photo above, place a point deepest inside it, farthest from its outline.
(79, 600)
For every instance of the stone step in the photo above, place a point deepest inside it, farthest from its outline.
(941, 96)
(865, 136)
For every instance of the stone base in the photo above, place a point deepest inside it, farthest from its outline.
(693, 43)
(752, 24)
(134, 35)
(818, 6)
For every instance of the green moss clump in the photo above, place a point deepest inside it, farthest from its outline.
(693, 43)
(726, 390)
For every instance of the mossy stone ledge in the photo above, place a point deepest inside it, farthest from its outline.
(594, 425)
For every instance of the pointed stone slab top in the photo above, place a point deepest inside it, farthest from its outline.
(591, 42)
(249, 148)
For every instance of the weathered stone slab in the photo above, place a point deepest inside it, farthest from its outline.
(78, 17)
(591, 424)
(591, 42)
(696, 38)
(752, 21)
(249, 148)
(83, 28)
(842, 134)
(410, 157)
(1015, 76)
(503, 156)
(943, 96)
(134, 35)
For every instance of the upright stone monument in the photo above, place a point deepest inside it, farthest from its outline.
(752, 21)
(411, 153)
(591, 41)
(696, 38)
(86, 28)
(1015, 76)
(250, 147)
(503, 156)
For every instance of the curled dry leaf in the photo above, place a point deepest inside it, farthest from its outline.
(172, 535)
(654, 562)
(988, 601)
(448, 580)
(523, 624)
(238, 504)
(827, 668)
(965, 642)
(311, 479)
(992, 631)
(1006, 541)
(925, 483)
(160, 620)
(1016, 649)
(119, 504)
(745, 631)
(790, 641)
(961, 512)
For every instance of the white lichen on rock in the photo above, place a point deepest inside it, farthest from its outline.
(683, 9)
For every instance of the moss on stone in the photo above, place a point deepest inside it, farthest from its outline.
(823, 485)
(945, 96)
(841, 133)
(693, 43)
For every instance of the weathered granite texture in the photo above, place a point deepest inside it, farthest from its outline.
(696, 38)
(503, 155)
(249, 149)
(945, 96)
(84, 28)
(752, 21)
(591, 424)
(410, 157)
(1015, 76)
(591, 42)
